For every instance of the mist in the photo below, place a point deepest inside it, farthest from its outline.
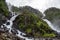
(41, 5)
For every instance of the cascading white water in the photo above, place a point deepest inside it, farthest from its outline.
(11, 23)
(50, 24)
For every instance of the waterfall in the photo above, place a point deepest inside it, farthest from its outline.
(10, 21)
(50, 24)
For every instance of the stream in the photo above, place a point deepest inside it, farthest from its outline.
(9, 24)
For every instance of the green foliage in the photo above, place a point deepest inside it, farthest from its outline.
(27, 9)
(33, 25)
(49, 35)
(29, 30)
(3, 8)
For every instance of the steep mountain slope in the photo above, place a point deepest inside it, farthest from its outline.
(31, 23)
(52, 14)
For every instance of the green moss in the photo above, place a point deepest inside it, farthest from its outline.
(49, 35)
(29, 30)
(38, 23)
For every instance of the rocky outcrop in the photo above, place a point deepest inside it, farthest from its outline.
(8, 36)
(2, 19)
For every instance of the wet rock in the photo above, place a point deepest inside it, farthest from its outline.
(29, 37)
(4, 29)
(10, 15)
(22, 34)
(23, 39)
(8, 23)
(14, 31)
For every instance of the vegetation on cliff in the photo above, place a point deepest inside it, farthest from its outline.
(3, 12)
(3, 8)
(52, 14)
(33, 25)
(25, 8)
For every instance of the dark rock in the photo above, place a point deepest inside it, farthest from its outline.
(9, 15)
(51, 39)
(14, 31)
(46, 39)
(8, 23)
(23, 39)
(4, 29)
